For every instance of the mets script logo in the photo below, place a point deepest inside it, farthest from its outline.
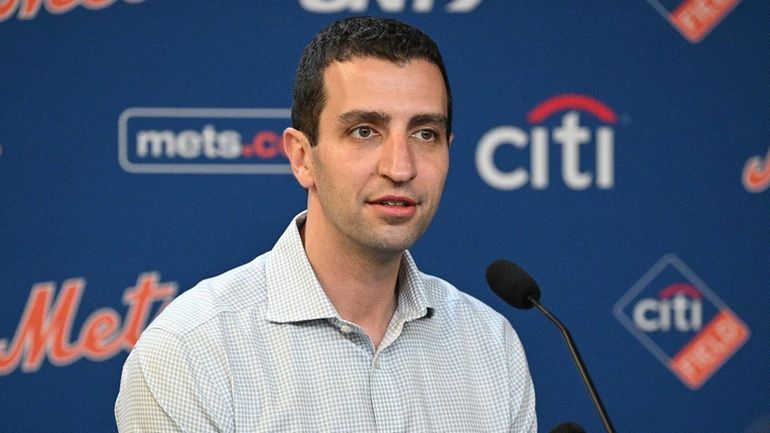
(681, 321)
(695, 18)
(503, 169)
(203, 140)
(756, 173)
(46, 324)
(358, 6)
(28, 9)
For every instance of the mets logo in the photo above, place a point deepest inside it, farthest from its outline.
(576, 140)
(28, 9)
(45, 330)
(681, 321)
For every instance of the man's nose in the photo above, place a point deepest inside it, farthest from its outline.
(397, 159)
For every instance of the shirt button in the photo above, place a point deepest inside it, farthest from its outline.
(377, 363)
(346, 329)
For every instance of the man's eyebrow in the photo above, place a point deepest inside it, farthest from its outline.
(361, 116)
(428, 119)
(377, 117)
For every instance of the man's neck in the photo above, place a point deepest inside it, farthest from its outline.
(362, 288)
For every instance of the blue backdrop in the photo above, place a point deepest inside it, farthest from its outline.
(618, 151)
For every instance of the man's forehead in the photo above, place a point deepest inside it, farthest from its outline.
(370, 90)
(376, 63)
(358, 69)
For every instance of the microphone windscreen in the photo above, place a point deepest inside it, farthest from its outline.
(512, 283)
(567, 427)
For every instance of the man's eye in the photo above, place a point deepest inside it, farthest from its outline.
(426, 134)
(362, 132)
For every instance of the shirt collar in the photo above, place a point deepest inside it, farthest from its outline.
(293, 291)
(295, 295)
(413, 302)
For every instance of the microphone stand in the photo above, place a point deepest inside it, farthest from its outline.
(579, 363)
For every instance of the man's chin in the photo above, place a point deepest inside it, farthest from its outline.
(394, 243)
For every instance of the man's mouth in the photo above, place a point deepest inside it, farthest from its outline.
(394, 207)
(394, 203)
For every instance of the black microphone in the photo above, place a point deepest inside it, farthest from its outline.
(567, 427)
(519, 290)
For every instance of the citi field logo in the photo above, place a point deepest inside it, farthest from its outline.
(45, 328)
(203, 140)
(682, 322)
(582, 165)
(695, 19)
(756, 173)
(358, 6)
(28, 9)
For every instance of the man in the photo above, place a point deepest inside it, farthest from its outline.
(335, 329)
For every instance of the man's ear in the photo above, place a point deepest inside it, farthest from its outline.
(297, 148)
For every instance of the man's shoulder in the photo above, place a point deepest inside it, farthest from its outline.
(231, 292)
(460, 317)
(458, 304)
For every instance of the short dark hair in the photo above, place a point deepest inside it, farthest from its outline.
(350, 37)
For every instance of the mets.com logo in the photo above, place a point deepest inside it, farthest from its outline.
(203, 140)
(508, 158)
(682, 322)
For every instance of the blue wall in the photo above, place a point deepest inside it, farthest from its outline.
(618, 151)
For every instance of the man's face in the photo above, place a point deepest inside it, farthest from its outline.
(382, 155)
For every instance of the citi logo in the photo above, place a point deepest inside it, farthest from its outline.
(570, 135)
(681, 321)
(202, 140)
(677, 307)
(358, 6)
(28, 9)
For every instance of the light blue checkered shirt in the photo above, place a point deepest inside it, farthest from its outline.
(262, 349)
